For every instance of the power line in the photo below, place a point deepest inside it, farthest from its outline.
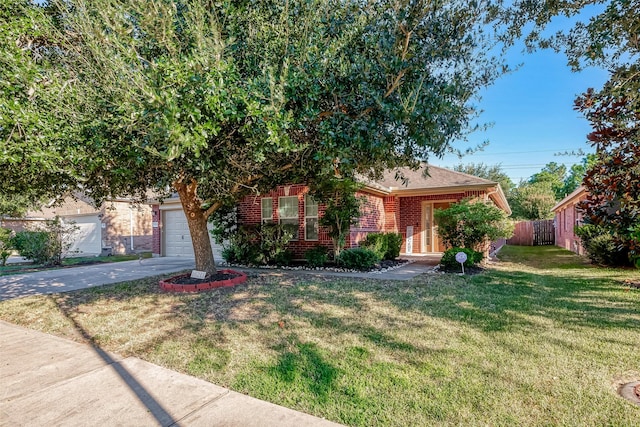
(557, 150)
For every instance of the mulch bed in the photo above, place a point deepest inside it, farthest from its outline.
(185, 283)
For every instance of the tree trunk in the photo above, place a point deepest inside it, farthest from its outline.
(197, 222)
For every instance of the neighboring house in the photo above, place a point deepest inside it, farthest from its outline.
(566, 218)
(389, 206)
(118, 227)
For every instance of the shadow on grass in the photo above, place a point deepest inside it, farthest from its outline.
(305, 365)
(341, 309)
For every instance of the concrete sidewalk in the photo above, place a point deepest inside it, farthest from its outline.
(48, 380)
(72, 278)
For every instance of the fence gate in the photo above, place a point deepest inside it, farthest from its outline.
(533, 233)
(544, 233)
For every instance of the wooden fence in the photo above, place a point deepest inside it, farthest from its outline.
(533, 233)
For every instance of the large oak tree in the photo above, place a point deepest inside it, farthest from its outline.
(216, 100)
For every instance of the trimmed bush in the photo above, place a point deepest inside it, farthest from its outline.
(317, 257)
(448, 261)
(357, 259)
(385, 245)
(376, 243)
(394, 243)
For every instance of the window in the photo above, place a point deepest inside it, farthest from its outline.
(310, 218)
(266, 206)
(288, 213)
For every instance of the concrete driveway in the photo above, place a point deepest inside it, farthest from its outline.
(70, 279)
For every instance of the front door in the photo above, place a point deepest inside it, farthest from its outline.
(438, 245)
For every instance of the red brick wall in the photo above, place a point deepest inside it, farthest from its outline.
(565, 220)
(156, 240)
(391, 214)
(249, 213)
(372, 218)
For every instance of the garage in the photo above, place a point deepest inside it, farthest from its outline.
(88, 237)
(177, 240)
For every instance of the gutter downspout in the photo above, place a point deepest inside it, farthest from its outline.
(131, 227)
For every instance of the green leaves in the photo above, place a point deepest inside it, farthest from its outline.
(472, 224)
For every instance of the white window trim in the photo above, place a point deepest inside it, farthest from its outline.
(265, 220)
(310, 217)
(297, 217)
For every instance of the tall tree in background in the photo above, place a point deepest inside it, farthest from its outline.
(219, 100)
(576, 174)
(490, 172)
(532, 201)
(553, 174)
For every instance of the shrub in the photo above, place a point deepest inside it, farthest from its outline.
(472, 224)
(274, 239)
(448, 261)
(264, 244)
(283, 257)
(376, 243)
(241, 247)
(601, 247)
(385, 245)
(317, 257)
(33, 245)
(48, 245)
(357, 259)
(5, 245)
(394, 243)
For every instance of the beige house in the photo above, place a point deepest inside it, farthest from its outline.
(118, 227)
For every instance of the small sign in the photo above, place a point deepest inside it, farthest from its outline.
(461, 257)
(196, 274)
(154, 224)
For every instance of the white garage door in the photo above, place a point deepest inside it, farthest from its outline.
(177, 240)
(88, 237)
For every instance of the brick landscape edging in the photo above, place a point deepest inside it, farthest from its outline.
(176, 287)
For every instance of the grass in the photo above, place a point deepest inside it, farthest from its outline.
(541, 338)
(68, 262)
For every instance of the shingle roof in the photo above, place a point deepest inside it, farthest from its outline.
(578, 192)
(437, 178)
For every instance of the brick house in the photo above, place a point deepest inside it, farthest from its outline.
(566, 218)
(389, 206)
(118, 227)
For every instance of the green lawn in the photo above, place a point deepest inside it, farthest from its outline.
(68, 262)
(541, 338)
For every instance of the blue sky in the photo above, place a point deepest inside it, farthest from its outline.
(532, 113)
